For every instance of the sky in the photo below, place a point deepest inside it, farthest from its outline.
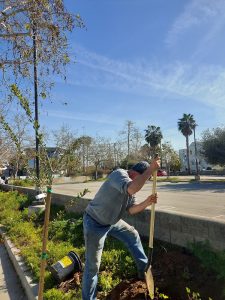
(148, 61)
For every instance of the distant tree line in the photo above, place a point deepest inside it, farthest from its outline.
(96, 155)
(212, 141)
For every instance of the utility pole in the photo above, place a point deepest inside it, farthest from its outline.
(114, 152)
(83, 150)
(37, 164)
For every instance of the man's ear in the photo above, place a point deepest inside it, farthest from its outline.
(132, 174)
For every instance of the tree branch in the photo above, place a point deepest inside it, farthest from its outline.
(9, 35)
(13, 62)
(6, 16)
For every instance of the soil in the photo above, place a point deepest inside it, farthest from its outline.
(71, 284)
(173, 271)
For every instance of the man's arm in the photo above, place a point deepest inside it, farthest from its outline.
(136, 208)
(140, 180)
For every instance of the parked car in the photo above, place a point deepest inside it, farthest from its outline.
(161, 172)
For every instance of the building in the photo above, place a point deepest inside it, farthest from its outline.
(52, 152)
(202, 163)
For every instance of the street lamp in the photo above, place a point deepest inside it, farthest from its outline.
(197, 176)
(168, 159)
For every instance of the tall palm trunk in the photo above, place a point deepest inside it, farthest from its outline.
(188, 158)
(161, 154)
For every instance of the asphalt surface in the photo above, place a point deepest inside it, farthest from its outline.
(10, 287)
(199, 199)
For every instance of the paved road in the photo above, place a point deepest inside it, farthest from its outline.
(204, 199)
(10, 287)
(195, 199)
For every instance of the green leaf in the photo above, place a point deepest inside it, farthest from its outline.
(188, 290)
(43, 95)
(27, 26)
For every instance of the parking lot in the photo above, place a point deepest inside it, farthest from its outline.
(200, 199)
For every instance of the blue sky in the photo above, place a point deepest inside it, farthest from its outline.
(148, 61)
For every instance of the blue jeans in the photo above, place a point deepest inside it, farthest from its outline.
(95, 235)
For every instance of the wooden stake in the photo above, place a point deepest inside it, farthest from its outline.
(44, 244)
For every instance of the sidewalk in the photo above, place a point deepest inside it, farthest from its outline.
(10, 287)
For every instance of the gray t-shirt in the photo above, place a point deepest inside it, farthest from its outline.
(112, 199)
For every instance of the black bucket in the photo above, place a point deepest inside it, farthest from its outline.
(67, 266)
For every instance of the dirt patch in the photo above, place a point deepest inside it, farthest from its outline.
(129, 289)
(173, 272)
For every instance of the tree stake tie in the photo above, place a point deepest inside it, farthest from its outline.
(49, 190)
(44, 256)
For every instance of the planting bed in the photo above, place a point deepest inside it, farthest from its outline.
(200, 269)
(173, 272)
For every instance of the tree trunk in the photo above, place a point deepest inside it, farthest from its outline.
(96, 172)
(161, 159)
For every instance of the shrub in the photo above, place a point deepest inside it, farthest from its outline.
(67, 230)
(55, 294)
(22, 182)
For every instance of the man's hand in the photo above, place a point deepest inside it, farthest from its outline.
(152, 199)
(155, 164)
(141, 206)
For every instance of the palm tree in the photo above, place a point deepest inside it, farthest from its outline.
(186, 125)
(153, 136)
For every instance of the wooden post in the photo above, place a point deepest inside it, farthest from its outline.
(44, 244)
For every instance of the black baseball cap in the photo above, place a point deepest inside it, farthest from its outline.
(140, 167)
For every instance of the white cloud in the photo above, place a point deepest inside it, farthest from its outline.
(196, 13)
(202, 83)
(207, 42)
(96, 118)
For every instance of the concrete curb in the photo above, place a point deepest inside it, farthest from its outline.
(23, 272)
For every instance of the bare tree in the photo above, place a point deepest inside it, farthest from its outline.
(34, 45)
(170, 158)
(19, 159)
(119, 153)
(68, 147)
(29, 28)
(101, 151)
(85, 142)
(137, 138)
(132, 138)
(6, 148)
